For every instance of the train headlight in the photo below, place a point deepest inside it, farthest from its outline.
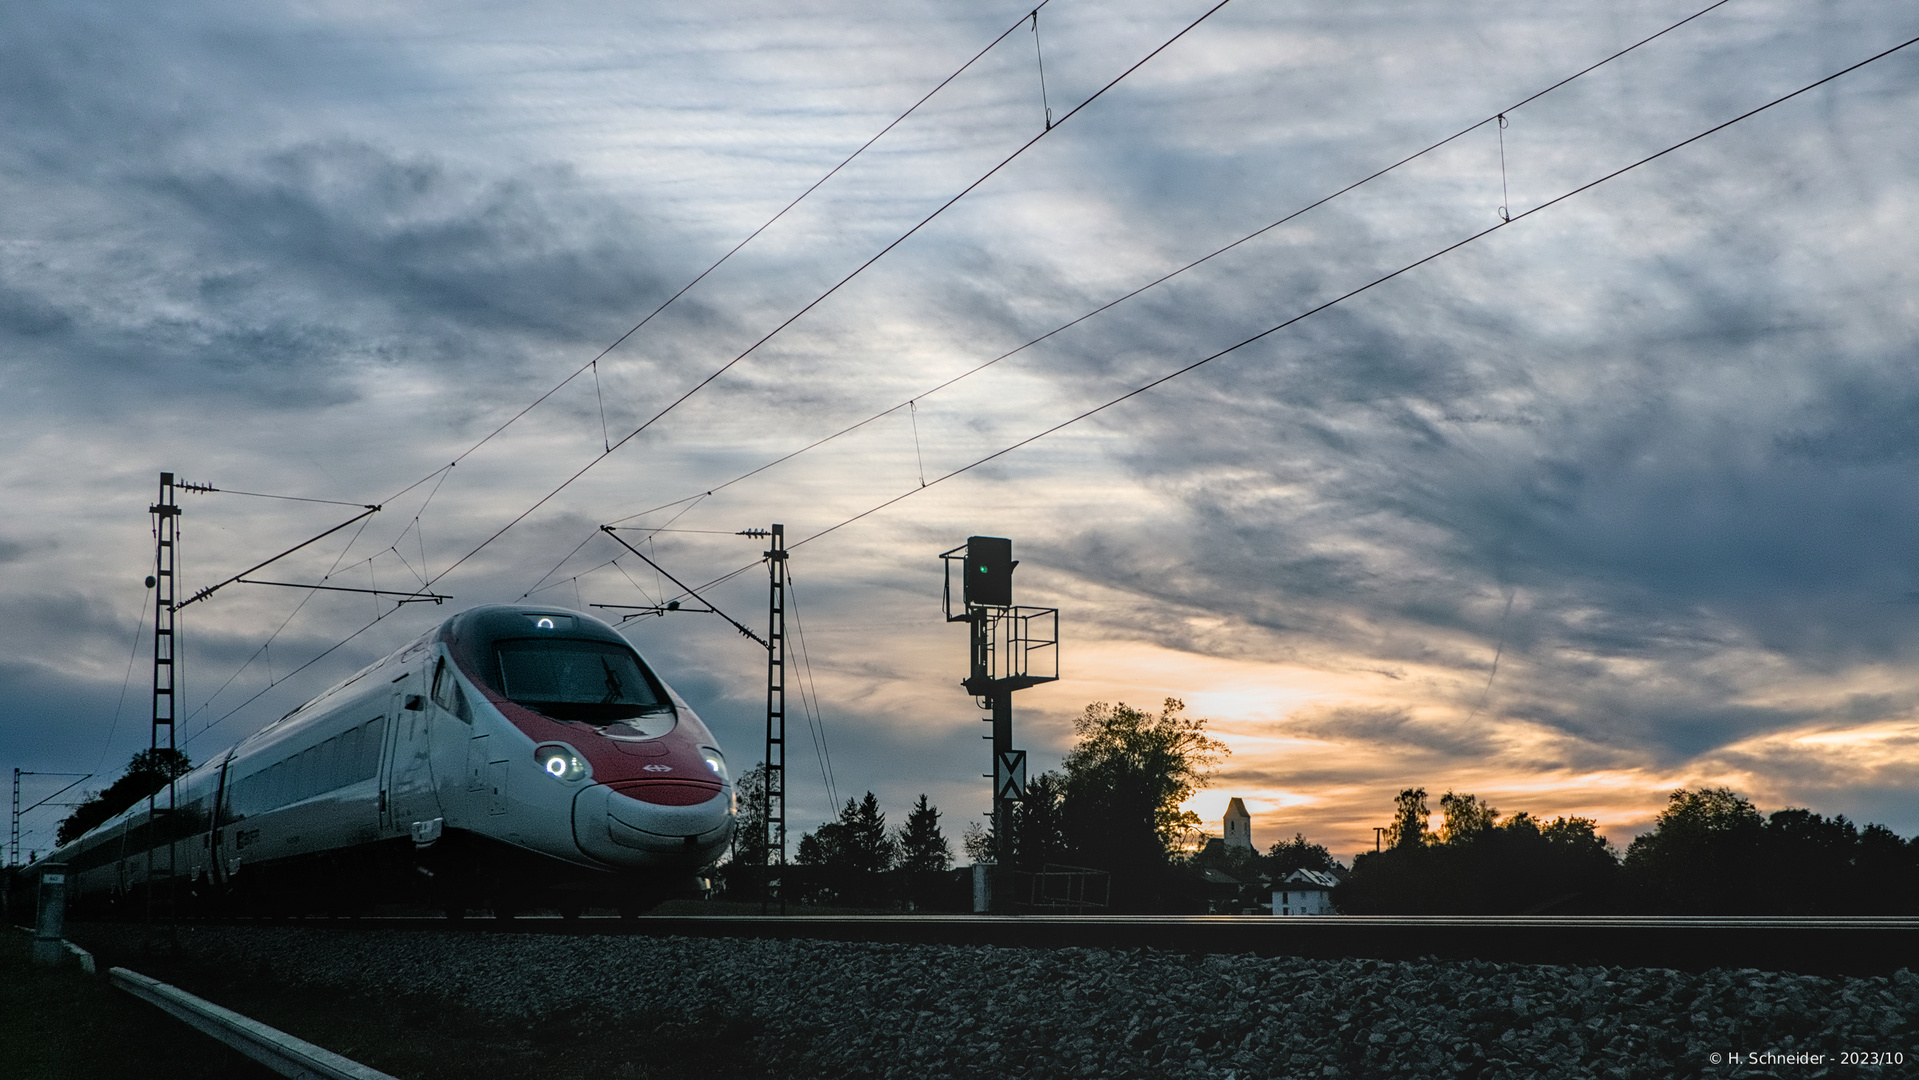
(561, 762)
(714, 761)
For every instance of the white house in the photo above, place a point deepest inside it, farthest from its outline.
(1304, 892)
(1239, 826)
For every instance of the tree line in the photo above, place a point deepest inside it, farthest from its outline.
(1711, 852)
(855, 860)
(1114, 806)
(147, 774)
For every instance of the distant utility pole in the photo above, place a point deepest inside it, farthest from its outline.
(13, 836)
(1012, 647)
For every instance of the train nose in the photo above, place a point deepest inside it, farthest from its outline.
(645, 823)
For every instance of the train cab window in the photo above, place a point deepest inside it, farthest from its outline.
(448, 695)
(569, 679)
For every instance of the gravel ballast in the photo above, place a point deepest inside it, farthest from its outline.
(830, 1009)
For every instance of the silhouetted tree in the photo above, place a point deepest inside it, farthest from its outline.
(1038, 828)
(1238, 862)
(1700, 857)
(923, 854)
(867, 847)
(1296, 854)
(1465, 817)
(1125, 780)
(147, 774)
(1478, 865)
(922, 848)
(851, 853)
(1039, 823)
(744, 871)
(1887, 874)
(1712, 853)
(1408, 828)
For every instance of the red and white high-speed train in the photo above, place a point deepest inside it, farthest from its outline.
(510, 758)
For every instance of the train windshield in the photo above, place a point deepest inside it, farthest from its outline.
(594, 681)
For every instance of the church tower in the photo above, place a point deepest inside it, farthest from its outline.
(1239, 826)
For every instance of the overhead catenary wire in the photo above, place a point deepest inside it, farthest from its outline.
(210, 489)
(442, 471)
(426, 584)
(133, 652)
(328, 651)
(728, 254)
(284, 623)
(1040, 56)
(1367, 287)
(912, 403)
(834, 288)
(815, 716)
(1405, 269)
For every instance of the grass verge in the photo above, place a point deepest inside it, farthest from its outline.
(58, 1023)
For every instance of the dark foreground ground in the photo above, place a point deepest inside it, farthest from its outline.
(432, 1004)
(59, 1024)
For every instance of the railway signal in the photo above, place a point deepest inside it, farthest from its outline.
(989, 571)
(1012, 648)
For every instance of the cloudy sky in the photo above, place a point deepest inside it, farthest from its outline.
(1650, 449)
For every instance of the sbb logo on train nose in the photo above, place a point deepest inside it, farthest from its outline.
(658, 768)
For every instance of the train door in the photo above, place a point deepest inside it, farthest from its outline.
(411, 791)
(216, 820)
(389, 743)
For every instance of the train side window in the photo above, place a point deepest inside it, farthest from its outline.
(370, 748)
(275, 785)
(441, 686)
(323, 767)
(339, 763)
(349, 758)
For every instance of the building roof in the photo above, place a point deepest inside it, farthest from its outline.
(1236, 809)
(1310, 879)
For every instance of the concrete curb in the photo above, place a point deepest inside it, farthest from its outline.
(275, 1049)
(85, 957)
